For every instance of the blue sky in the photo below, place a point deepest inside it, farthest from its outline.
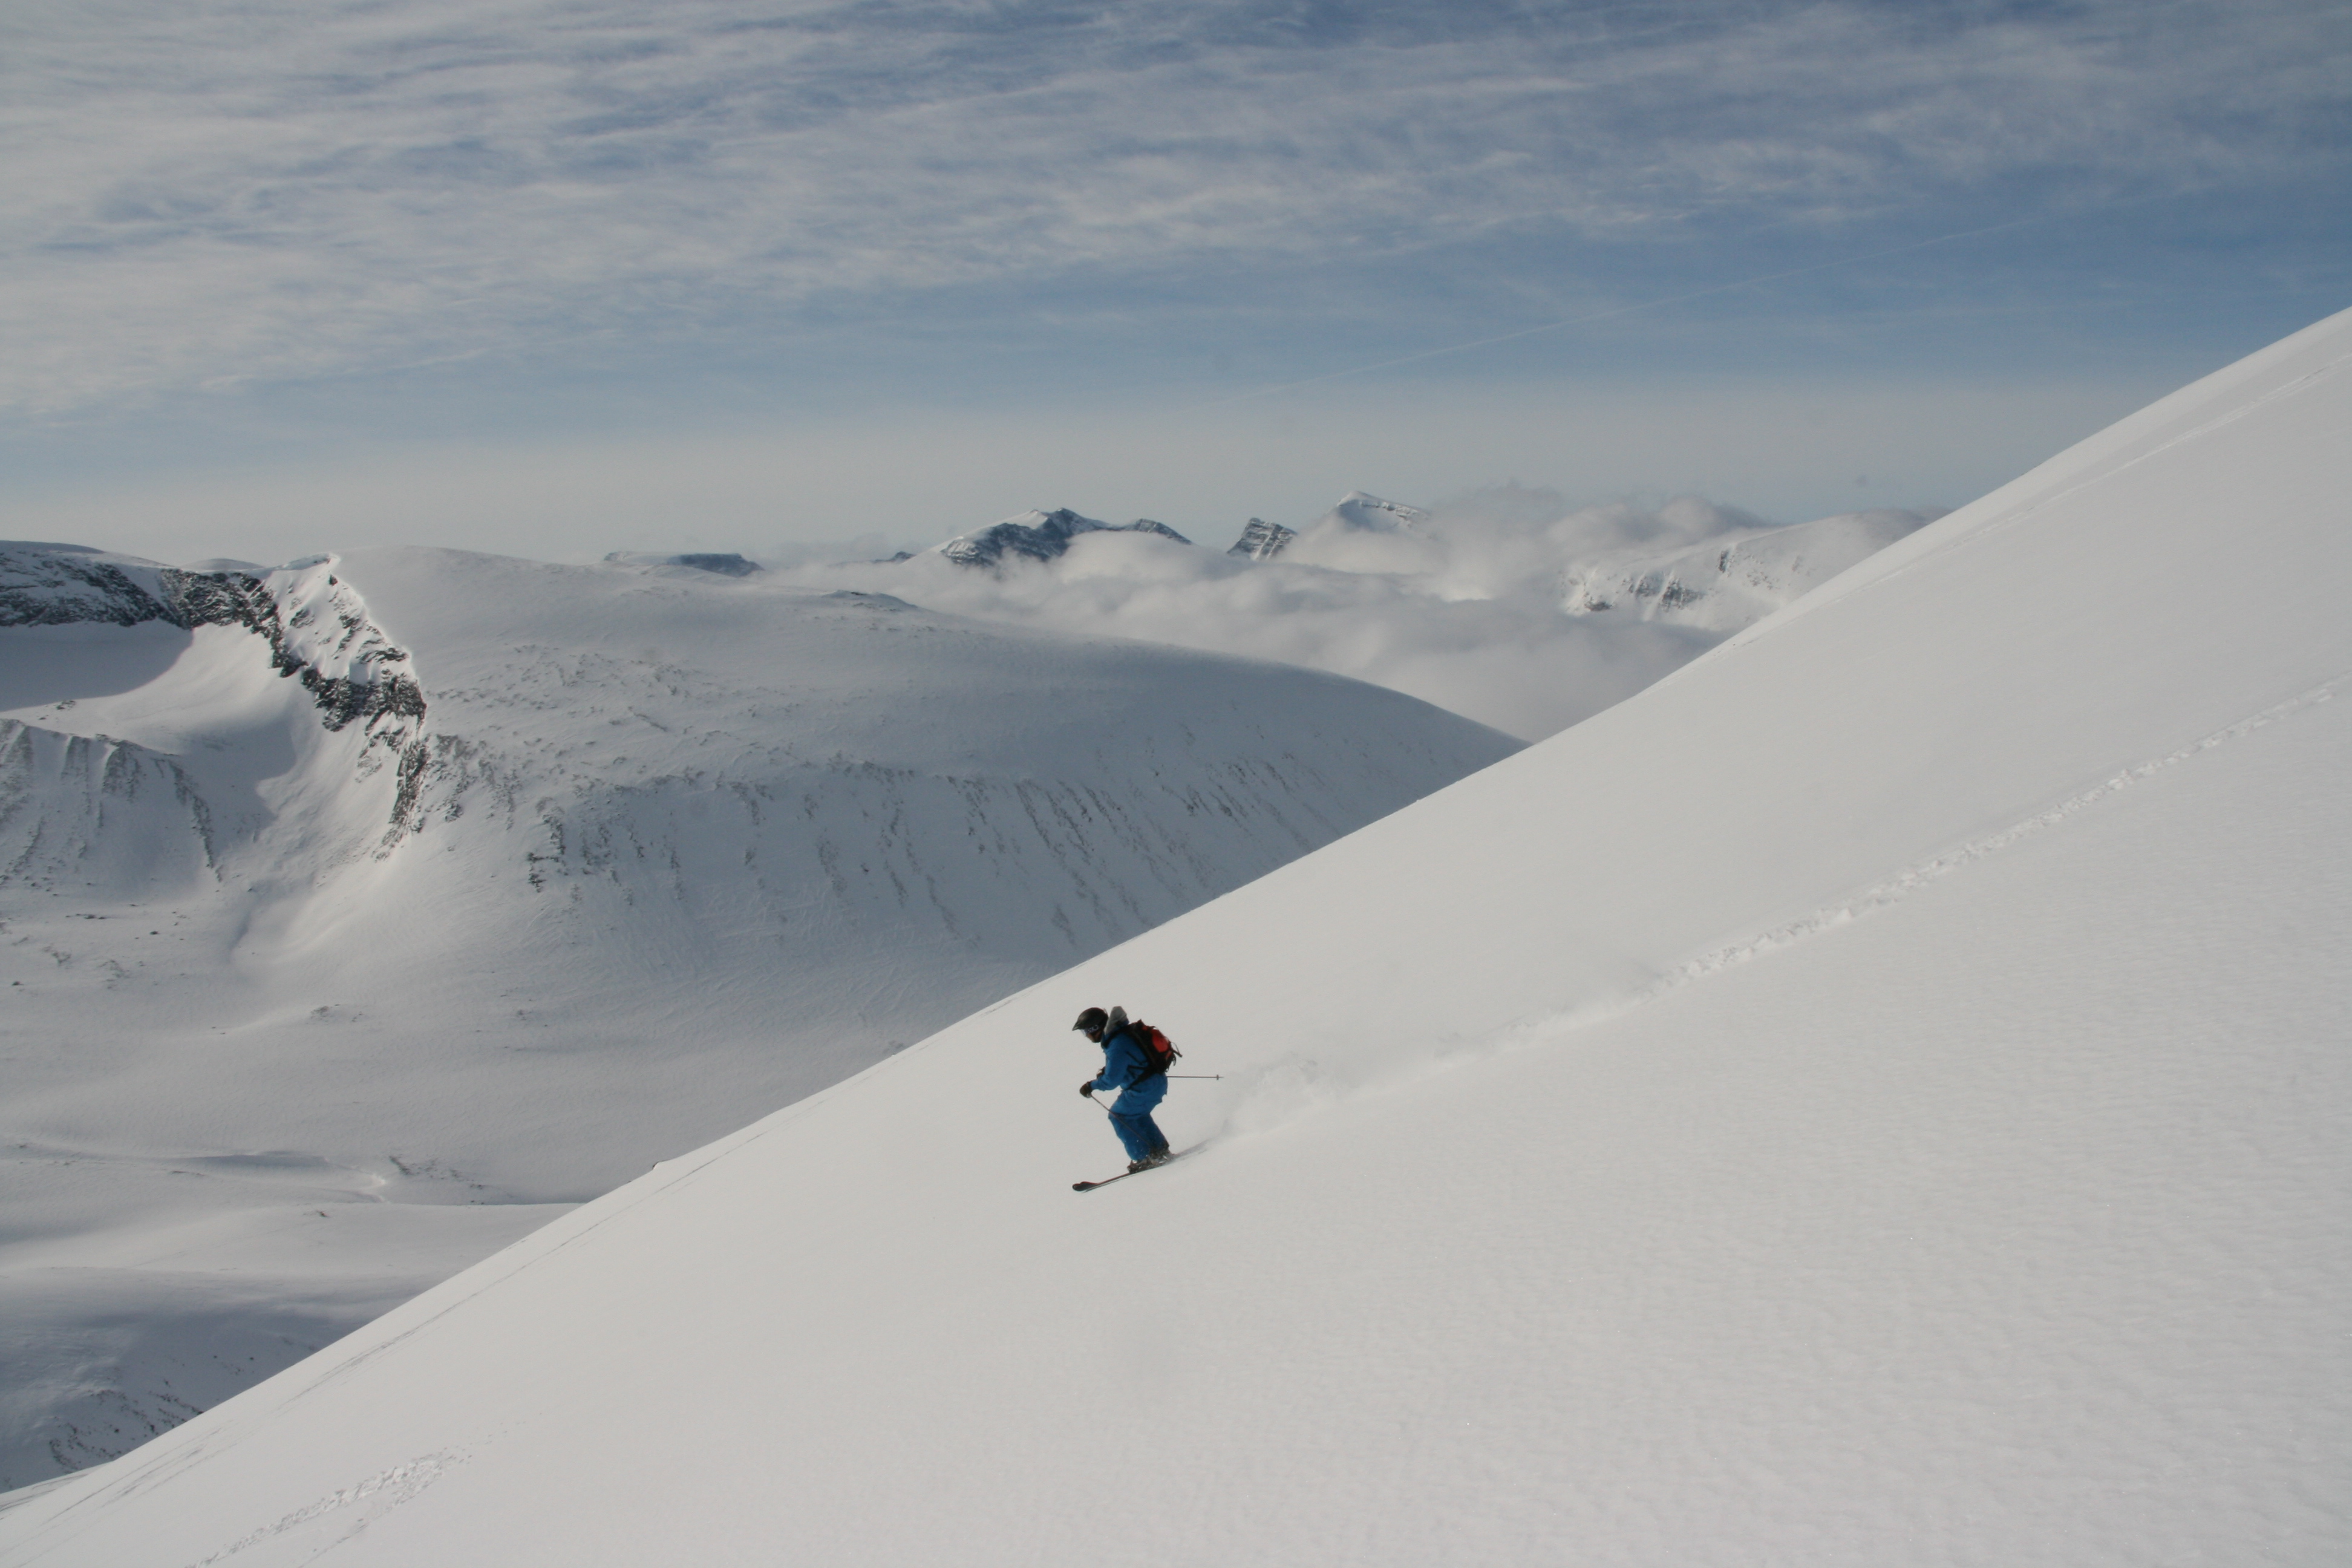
(557, 277)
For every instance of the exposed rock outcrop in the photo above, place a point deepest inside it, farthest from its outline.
(1263, 540)
(1039, 536)
(317, 628)
(725, 566)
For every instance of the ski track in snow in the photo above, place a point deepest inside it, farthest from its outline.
(1278, 1094)
(388, 1490)
(1895, 889)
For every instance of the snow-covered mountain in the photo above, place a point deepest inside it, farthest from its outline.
(1366, 534)
(1876, 1096)
(182, 665)
(353, 913)
(726, 565)
(1476, 606)
(1038, 536)
(1358, 512)
(1261, 540)
(1733, 580)
(1371, 514)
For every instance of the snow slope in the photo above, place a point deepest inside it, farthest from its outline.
(320, 989)
(1876, 1097)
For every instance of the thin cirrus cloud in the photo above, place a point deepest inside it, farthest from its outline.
(278, 190)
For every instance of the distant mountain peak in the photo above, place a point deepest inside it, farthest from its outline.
(1036, 535)
(1734, 579)
(725, 566)
(1363, 510)
(1263, 540)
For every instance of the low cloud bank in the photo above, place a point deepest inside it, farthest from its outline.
(1508, 607)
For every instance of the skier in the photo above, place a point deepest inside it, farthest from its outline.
(1127, 1068)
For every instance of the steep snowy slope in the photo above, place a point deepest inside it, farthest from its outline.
(325, 980)
(1876, 1097)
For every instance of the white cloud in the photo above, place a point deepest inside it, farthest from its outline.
(1466, 609)
(282, 188)
(1787, 448)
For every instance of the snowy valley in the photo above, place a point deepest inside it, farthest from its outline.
(1876, 1096)
(362, 914)
(358, 916)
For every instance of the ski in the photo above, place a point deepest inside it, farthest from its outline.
(1091, 1186)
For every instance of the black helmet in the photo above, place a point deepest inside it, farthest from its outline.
(1091, 1023)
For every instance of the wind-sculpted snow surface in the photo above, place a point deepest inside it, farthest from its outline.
(337, 959)
(1874, 1096)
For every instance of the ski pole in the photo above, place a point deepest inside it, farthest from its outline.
(1211, 1075)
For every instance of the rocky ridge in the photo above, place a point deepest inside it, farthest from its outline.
(1039, 536)
(316, 627)
(1263, 540)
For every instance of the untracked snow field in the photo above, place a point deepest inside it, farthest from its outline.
(1876, 1097)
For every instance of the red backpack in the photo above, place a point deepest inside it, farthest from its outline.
(1160, 1053)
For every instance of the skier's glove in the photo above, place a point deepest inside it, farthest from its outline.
(1088, 1088)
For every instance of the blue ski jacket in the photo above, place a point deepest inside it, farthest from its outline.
(1124, 1063)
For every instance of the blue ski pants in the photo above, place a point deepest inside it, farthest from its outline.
(1139, 1133)
(1130, 1118)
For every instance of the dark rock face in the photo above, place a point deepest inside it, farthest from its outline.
(59, 585)
(726, 565)
(1263, 540)
(1667, 591)
(234, 598)
(1044, 540)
